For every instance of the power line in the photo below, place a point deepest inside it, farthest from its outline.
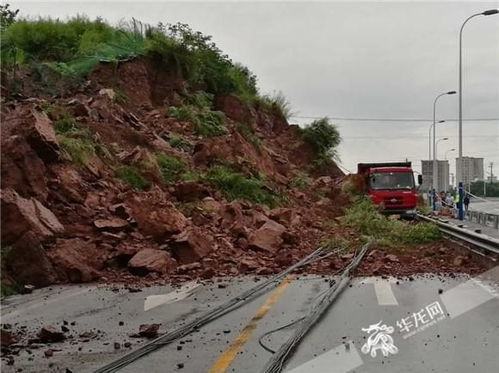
(393, 119)
(408, 137)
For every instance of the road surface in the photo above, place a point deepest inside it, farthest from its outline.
(463, 337)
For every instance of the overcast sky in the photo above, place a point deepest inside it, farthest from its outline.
(351, 60)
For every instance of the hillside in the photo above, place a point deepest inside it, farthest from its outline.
(136, 172)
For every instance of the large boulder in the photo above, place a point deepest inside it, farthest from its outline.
(268, 237)
(76, 260)
(27, 262)
(285, 216)
(21, 215)
(155, 216)
(151, 260)
(41, 136)
(191, 245)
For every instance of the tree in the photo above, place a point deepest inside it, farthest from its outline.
(7, 16)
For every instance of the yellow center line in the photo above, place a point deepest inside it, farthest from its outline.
(226, 358)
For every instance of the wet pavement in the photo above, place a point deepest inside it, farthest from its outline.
(431, 323)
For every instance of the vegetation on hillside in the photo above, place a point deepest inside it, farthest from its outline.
(324, 138)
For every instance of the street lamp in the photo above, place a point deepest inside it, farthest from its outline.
(447, 152)
(460, 175)
(434, 183)
(435, 152)
(429, 138)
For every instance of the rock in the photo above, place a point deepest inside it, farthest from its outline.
(20, 215)
(109, 92)
(459, 261)
(117, 346)
(6, 338)
(120, 210)
(111, 224)
(76, 260)
(28, 262)
(285, 216)
(49, 334)
(267, 237)
(78, 108)
(48, 353)
(392, 258)
(191, 245)
(188, 267)
(28, 289)
(248, 264)
(41, 136)
(211, 205)
(151, 260)
(190, 191)
(149, 330)
(155, 216)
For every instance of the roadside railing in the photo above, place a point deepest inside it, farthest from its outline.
(483, 218)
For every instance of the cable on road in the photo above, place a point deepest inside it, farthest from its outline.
(277, 361)
(234, 303)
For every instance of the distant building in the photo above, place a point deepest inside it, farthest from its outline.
(442, 175)
(470, 170)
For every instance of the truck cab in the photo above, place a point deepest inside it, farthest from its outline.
(391, 186)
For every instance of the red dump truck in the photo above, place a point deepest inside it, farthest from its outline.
(391, 186)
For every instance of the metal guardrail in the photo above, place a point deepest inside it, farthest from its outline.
(482, 241)
(483, 218)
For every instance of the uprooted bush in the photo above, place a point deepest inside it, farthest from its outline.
(364, 216)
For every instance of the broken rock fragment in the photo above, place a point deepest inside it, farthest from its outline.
(191, 245)
(267, 237)
(149, 330)
(49, 334)
(111, 224)
(151, 260)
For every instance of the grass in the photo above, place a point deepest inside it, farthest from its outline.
(300, 181)
(364, 216)
(235, 185)
(172, 169)
(334, 242)
(131, 176)
(246, 132)
(198, 111)
(74, 139)
(8, 289)
(180, 142)
(276, 102)
(74, 46)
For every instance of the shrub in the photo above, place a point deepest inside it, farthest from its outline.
(246, 132)
(364, 216)
(178, 141)
(300, 181)
(80, 149)
(235, 185)
(206, 122)
(324, 138)
(130, 175)
(277, 103)
(172, 168)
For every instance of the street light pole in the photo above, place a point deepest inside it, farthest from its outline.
(447, 152)
(434, 136)
(435, 185)
(460, 159)
(429, 139)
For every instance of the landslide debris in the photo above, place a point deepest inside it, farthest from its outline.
(142, 167)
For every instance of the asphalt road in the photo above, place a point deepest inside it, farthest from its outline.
(457, 326)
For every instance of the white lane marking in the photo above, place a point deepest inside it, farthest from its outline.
(465, 297)
(339, 360)
(183, 292)
(10, 315)
(383, 290)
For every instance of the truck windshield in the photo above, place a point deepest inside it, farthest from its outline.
(392, 180)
